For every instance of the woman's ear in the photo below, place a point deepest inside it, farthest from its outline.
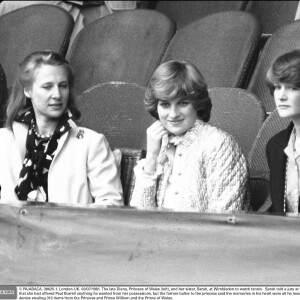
(27, 93)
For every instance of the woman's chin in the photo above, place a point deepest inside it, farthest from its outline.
(177, 132)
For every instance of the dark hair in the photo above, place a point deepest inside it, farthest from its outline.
(18, 102)
(173, 80)
(284, 69)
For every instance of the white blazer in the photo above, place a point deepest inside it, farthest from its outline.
(83, 170)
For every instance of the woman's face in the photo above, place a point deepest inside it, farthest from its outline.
(177, 115)
(49, 92)
(287, 100)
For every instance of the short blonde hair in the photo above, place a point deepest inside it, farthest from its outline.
(178, 80)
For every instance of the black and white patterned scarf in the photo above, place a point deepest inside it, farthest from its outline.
(33, 178)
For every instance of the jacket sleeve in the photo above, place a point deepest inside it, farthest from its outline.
(227, 176)
(103, 177)
(144, 193)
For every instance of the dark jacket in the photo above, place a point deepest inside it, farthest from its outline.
(277, 163)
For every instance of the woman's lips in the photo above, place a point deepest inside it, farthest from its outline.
(56, 105)
(176, 122)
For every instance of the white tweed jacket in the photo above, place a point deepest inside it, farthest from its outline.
(209, 174)
(83, 171)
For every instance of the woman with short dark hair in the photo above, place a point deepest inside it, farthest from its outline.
(190, 165)
(283, 149)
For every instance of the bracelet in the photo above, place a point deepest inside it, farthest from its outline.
(150, 174)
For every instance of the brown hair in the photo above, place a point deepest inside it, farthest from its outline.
(284, 69)
(176, 79)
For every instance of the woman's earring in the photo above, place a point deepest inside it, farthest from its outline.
(26, 93)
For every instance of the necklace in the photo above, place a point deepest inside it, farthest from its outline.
(41, 136)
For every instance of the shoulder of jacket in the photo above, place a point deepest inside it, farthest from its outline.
(83, 132)
(5, 132)
(279, 138)
(217, 135)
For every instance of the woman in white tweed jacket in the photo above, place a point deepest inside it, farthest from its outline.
(44, 155)
(190, 165)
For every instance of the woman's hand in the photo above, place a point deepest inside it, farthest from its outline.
(155, 134)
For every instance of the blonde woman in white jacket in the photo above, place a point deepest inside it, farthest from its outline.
(190, 165)
(44, 156)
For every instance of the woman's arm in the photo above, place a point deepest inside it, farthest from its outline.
(144, 193)
(104, 180)
(148, 169)
(227, 176)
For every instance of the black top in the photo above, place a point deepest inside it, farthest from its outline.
(277, 163)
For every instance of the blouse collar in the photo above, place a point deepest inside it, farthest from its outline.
(191, 135)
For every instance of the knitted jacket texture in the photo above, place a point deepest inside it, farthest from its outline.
(209, 172)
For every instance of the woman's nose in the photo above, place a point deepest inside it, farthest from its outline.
(56, 92)
(282, 94)
(173, 111)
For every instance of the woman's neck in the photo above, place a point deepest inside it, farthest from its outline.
(46, 127)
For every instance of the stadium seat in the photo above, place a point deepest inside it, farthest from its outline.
(116, 109)
(257, 160)
(130, 157)
(222, 45)
(3, 95)
(35, 27)
(237, 112)
(273, 14)
(185, 12)
(125, 46)
(283, 40)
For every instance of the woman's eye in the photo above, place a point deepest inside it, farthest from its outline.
(184, 103)
(276, 87)
(64, 85)
(47, 87)
(164, 104)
